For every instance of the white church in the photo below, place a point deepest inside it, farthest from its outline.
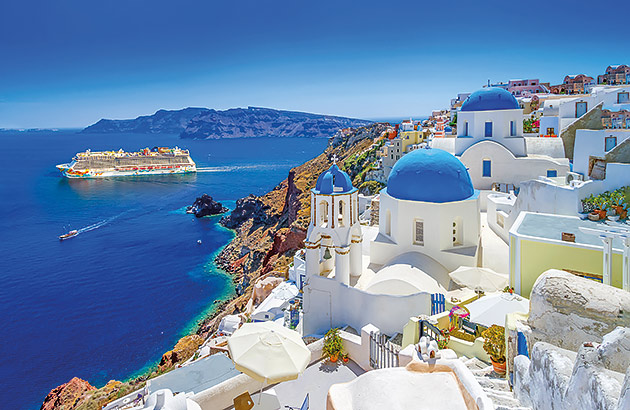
(428, 226)
(491, 144)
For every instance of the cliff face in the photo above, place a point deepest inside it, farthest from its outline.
(270, 228)
(203, 123)
(162, 122)
(68, 395)
(265, 122)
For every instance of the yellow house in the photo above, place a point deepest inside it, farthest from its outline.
(536, 245)
(409, 138)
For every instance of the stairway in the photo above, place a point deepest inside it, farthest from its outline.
(495, 386)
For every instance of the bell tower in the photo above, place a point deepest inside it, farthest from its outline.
(333, 241)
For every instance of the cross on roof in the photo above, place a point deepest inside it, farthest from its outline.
(334, 158)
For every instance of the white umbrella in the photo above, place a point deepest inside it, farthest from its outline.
(491, 309)
(268, 352)
(479, 279)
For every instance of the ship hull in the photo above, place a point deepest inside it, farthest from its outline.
(68, 172)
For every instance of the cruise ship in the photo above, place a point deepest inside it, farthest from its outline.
(103, 164)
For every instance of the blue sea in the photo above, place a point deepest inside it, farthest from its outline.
(107, 303)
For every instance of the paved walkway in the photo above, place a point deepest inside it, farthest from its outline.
(496, 253)
(316, 381)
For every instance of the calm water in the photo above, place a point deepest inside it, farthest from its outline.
(110, 301)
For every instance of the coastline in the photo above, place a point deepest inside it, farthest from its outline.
(267, 230)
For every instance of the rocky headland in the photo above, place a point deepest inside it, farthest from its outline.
(206, 206)
(269, 230)
(250, 122)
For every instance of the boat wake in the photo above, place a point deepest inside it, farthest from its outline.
(230, 168)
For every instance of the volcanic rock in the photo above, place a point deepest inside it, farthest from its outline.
(68, 395)
(206, 206)
(183, 350)
(246, 208)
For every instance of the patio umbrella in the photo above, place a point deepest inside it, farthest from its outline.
(491, 309)
(479, 279)
(268, 352)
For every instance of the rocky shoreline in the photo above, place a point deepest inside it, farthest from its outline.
(268, 231)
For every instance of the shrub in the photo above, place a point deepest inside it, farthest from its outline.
(494, 343)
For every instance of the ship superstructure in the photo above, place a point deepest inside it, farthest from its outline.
(100, 164)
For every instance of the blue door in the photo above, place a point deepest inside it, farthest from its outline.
(580, 109)
(552, 173)
(489, 129)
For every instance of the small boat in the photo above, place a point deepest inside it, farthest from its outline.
(68, 235)
(199, 242)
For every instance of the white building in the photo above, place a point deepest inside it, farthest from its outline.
(560, 112)
(491, 144)
(428, 226)
(594, 172)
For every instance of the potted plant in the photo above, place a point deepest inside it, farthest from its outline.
(494, 345)
(345, 357)
(333, 346)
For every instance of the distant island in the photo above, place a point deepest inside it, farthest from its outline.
(250, 122)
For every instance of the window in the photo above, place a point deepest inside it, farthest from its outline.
(487, 168)
(610, 143)
(551, 131)
(552, 173)
(340, 216)
(388, 223)
(458, 233)
(466, 128)
(488, 129)
(323, 212)
(623, 97)
(512, 128)
(418, 237)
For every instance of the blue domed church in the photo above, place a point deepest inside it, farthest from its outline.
(431, 207)
(491, 144)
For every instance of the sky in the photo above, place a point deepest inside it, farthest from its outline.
(69, 63)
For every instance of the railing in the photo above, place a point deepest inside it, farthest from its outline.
(432, 332)
(438, 303)
(383, 353)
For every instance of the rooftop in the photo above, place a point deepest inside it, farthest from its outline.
(550, 227)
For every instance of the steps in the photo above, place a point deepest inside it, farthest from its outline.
(495, 386)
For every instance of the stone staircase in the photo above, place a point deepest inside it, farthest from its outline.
(495, 386)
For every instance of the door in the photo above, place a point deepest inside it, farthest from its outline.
(580, 109)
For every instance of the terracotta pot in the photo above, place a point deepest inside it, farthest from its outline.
(499, 368)
(345, 360)
(334, 358)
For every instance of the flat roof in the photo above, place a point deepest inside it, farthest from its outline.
(197, 376)
(547, 226)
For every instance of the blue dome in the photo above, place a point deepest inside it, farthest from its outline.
(491, 98)
(430, 175)
(333, 181)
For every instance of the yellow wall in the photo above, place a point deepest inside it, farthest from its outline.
(512, 261)
(537, 257)
(410, 138)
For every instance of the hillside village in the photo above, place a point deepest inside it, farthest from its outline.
(477, 259)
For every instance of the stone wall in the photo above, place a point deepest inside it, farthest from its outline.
(592, 120)
(566, 310)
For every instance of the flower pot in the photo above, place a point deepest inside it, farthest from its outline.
(499, 368)
(334, 358)
(593, 216)
(345, 360)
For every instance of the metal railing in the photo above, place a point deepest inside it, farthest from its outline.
(383, 353)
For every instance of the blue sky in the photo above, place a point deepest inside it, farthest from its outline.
(68, 63)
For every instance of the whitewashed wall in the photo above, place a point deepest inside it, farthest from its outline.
(505, 167)
(592, 143)
(438, 221)
(328, 303)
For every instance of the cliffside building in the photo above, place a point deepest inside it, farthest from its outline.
(491, 144)
(429, 225)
